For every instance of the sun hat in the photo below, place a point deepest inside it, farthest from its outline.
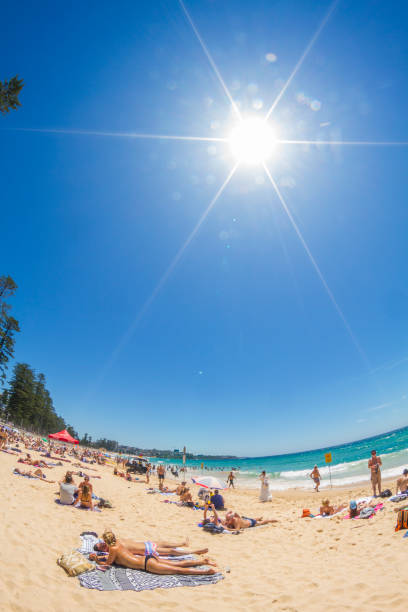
(353, 504)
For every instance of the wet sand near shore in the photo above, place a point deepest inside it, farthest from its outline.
(297, 564)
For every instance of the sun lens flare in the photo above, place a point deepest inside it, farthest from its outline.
(252, 141)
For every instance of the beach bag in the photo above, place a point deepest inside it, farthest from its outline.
(74, 563)
(386, 493)
(402, 520)
(400, 497)
(366, 513)
(305, 513)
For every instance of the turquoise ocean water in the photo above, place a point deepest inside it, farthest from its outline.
(349, 463)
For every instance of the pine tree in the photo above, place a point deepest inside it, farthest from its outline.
(40, 415)
(9, 92)
(29, 402)
(8, 325)
(3, 402)
(21, 403)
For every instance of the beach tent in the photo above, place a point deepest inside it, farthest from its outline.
(63, 436)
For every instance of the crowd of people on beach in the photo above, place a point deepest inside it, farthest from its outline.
(147, 556)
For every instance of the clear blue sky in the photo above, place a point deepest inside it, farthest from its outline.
(241, 350)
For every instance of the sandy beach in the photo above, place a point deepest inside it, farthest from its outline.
(297, 564)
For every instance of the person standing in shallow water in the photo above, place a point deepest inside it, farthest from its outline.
(315, 476)
(230, 480)
(374, 464)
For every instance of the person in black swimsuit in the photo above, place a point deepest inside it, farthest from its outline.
(121, 556)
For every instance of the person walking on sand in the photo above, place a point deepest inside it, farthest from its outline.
(230, 480)
(265, 494)
(315, 476)
(161, 470)
(374, 465)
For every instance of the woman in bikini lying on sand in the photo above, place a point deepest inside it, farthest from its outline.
(149, 563)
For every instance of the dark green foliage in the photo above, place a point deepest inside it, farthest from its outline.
(72, 432)
(110, 445)
(8, 324)
(29, 403)
(9, 92)
(3, 402)
(85, 440)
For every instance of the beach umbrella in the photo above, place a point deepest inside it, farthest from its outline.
(209, 482)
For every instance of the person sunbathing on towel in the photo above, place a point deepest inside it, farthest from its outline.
(327, 510)
(118, 554)
(186, 498)
(356, 508)
(235, 522)
(34, 474)
(49, 456)
(41, 463)
(87, 468)
(35, 462)
(116, 473)
(158, 548)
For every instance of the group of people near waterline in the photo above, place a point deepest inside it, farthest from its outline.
(374, 465)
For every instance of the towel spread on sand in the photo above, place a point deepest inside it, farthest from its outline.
(77, 506)
(88, 541)
(376, 508)
(328, 516)
(122, 579)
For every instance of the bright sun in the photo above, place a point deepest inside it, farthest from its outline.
(252, 141)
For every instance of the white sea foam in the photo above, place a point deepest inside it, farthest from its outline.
(283, 474)
(342, 474)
